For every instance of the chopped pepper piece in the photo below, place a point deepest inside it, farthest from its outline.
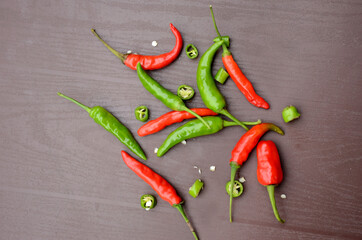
(148, 201)
(185, 92)
(290, 113)
(237, 188)
(191, 51)
(196, 188)
(141, 113)
(221, 75)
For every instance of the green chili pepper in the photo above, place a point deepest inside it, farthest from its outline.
(196, 128)
(209, 92)
(148, 201)
(171, 100)
(226, 40)
(112, 125)
(185, 92)
(196, 188)
(191, 51)
(141, 113)
(290, 113)
(221, 75)
(237, 188)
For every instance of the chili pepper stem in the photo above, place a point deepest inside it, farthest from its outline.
(88, 109)
(182, 211)
(224, 48)
(228, 123)
(121, 56)
(270, 189)
(234, 168)
(196, 115)
(226, 113)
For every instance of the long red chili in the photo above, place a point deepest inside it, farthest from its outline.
(159, 184)
(148, 62)
(245, 145)
(269, 171)
(237, 75)
(170, 118)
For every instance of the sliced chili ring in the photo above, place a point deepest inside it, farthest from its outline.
(141, 113)
(237, 189)
(148, 201)
(195, 189)
(185, 92)
(191, 51)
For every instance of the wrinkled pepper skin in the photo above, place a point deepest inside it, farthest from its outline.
(170, 118)
(269, 171)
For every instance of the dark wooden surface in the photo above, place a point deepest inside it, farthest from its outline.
(61, 175)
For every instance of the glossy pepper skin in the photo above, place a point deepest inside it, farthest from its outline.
(148, 62)
(209, 92)
(193, 129)
(269, 170)
(170, 118)
(245, 145)
(112, 125)
(171, 100)
(238, 77)
(159, 184)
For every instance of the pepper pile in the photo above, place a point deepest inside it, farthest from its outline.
(269, 172)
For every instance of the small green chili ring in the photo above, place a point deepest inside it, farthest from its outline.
(290, 113)
(148, 201)
(141, 113)
(221, 75)
(237, 189)
(191, 51)
(185, 92)
(196, 188)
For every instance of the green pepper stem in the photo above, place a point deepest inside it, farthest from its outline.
(234, 168)
(224, 48)
(270, 189)
(228, 123)
(226, 113)
(182, 211)
(121, 56)
(196, 115)
(88, 109)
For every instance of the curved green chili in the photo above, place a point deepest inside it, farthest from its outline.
(171, 100)
(141, 113)
(195, 128)
(209, 92)
(112, 125)
(191, 51)
(185, 92)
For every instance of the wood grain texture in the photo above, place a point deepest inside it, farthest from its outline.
(61, 175)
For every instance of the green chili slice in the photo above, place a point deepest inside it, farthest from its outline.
(185, 92)
(191, 51)
(195, 189)
(221, 75)
(148, 201)
(141, 113)
(290, 113)
(237, 189)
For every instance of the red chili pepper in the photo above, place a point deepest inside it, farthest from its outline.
(245, 145)
(237, 76)
(269, 170)
(159, 184)
(170, 118)
(148, 62)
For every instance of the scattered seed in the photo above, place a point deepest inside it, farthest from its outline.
(283, 196)
(242, 180)
(156, 150)
(129, 51)
(195, 167)
(212, 168)
(147, 209)
(199, 171)
(184, 142)
(154, 43)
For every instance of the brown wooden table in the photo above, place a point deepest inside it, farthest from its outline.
(62, 177)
